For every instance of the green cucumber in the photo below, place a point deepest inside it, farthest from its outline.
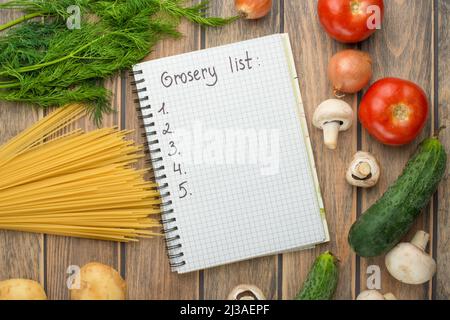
(385, 223)
(322, 279)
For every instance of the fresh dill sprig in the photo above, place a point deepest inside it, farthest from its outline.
(46, 64)
(196, 14)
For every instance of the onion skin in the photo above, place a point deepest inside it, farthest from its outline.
(350, 70)
(253, 9)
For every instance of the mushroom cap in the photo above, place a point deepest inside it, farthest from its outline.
(375, 295)
(358, 158)
(246, 292)
(370, 295)
(333, 110)
(409, 264)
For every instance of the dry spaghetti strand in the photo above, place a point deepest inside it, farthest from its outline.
(62, 181)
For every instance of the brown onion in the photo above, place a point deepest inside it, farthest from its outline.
(253, 9)
(350, 71)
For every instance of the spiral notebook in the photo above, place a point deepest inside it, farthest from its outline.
(230, 150)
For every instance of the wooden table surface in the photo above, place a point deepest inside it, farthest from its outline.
(414, 43)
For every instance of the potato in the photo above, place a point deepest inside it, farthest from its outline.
(21, 289)
(99, 282)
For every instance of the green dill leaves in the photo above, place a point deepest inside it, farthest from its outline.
(46, 64)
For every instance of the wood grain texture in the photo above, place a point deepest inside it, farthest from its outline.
(21, 254)
(61, 252)
(262, 272)
(400, 49)
(146, 265)
(312, 50)
(442, 283)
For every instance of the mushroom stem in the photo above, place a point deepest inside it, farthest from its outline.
(331, 133)
(363, 170)
(420, 240)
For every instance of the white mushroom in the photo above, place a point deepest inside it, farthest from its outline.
(409, 263)
(364, 170)
(389, 296)
(246, 292)
(375, 295)
(333, 116)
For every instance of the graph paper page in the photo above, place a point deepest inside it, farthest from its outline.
(231, 148)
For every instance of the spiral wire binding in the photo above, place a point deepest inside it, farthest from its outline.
(168, 220)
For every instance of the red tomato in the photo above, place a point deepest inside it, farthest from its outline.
(348, 21)
(394, 111)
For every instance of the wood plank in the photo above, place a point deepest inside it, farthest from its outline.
(65, 251)
(312, 50)
(442, 287)
(400, 49)
(146, 263)
(262, 272)
(21, 253)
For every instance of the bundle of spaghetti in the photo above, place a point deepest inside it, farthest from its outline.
(59, 181)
